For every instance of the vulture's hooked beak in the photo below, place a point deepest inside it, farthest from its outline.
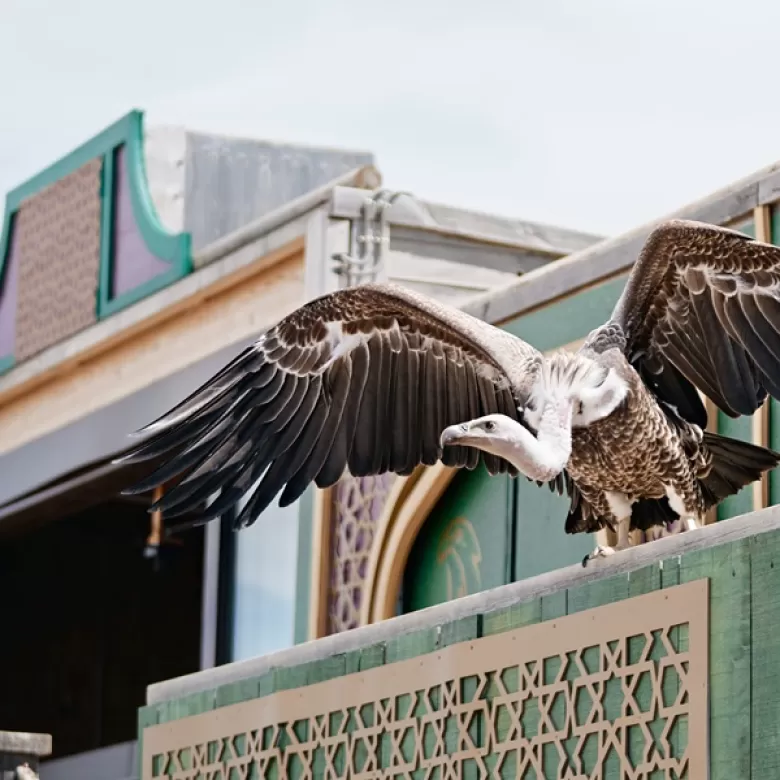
(455, 434)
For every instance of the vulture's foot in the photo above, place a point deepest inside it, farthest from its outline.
(604, 552)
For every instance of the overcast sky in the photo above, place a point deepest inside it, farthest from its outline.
(596, 114)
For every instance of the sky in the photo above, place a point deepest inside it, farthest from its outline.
(590, 114)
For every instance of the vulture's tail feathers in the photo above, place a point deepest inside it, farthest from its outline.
(735, 464)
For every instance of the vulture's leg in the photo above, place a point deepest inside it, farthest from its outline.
(683, 524)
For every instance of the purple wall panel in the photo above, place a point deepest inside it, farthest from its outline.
(8, 287)
(133, 264)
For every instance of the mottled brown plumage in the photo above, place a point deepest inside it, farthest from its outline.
(637, 453)
(377, 378)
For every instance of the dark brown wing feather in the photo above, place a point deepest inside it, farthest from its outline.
(365, 378)
(701, 309)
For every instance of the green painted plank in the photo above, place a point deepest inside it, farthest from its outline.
(645, 580)
(596, 594)
(365, 658)
(742, 502)
(554, 605)
(405, 646)
(327, 668)
(193, 704)
(509, 618)
(401, 648)
(265, 683)
(765, 652)
(728, 567)
(669, 571)
(232, 693)
(148, 715)
(290, 677)
(461, 630)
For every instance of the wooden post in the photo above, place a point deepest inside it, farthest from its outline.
(154, 540)
(763, 232)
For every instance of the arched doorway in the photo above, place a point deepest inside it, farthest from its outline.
(465, 544)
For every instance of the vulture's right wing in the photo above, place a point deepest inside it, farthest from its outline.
(365, 378)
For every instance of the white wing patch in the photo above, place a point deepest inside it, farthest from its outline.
(341, 343)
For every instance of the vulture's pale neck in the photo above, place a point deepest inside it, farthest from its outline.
(544, 456)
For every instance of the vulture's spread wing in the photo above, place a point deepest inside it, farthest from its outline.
(701, 308)
(365, 378)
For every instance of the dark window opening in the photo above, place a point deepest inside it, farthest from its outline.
(88, 622)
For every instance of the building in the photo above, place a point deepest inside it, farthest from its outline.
(454, 637)
(130, 271)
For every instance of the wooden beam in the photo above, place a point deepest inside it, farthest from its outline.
(763, 232)
(712, 427)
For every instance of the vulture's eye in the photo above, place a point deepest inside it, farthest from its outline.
(489, 426)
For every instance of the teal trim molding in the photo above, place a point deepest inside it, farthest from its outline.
(6, 363)
(6, 360)
(173, 250)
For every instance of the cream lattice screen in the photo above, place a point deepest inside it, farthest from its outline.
(619, 691)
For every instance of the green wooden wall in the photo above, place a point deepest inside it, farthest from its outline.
(744, 649)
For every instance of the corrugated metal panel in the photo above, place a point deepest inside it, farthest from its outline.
(231, 182)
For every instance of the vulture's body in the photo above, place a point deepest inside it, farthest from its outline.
(376, 378)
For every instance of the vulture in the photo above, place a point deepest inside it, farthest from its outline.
(378, 378)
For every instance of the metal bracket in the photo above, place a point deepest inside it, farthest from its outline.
(370, 243)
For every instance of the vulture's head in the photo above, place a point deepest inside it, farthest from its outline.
(493, 433)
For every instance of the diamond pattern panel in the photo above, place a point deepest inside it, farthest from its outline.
(59, 260)
(618, 692)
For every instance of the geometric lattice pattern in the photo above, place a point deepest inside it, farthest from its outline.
(59, 260)
(618, 692)
(357, 506)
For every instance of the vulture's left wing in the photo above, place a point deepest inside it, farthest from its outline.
(701, 309)
(365, 378)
